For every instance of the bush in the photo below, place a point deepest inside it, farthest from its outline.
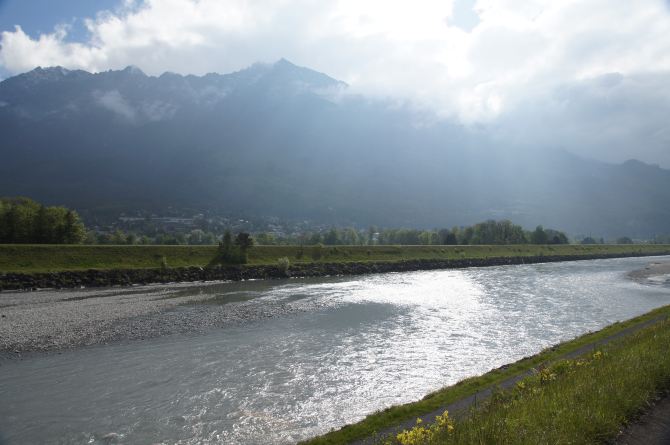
(284, 264)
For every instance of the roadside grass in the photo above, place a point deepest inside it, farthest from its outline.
(581, 401)
(379, 421)
(31, 258)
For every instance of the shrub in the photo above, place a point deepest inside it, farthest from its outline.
(284, 264)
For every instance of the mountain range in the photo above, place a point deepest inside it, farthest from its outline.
(283, 140)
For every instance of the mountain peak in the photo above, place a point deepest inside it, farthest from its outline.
(49, 72)
(284, 63)
(40, 75)
(133, 70)
(286, 70)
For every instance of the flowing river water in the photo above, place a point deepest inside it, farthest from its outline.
(353, 345)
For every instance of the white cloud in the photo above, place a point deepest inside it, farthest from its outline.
(517, 53)
(115, 102)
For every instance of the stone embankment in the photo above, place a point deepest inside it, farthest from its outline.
(125, 277)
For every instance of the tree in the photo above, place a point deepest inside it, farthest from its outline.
(556, 237)
(42, 227)
(233, 252)
(539, 236)
(118, 237)
(332, 237)
(350, 236)
(23, 220)
(226, 246)
(427, 238)
(624, 240)
(74, 231)
(244, 241)
(196, 237)
(265, 238)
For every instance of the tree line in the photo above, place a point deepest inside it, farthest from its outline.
(23, 221)
(487, 232)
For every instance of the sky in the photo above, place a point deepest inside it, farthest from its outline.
(589, 76)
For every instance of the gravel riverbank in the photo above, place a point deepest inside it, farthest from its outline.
(52, 320)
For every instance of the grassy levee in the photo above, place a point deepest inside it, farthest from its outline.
(395, 415)
(30, 258)
(582, 401)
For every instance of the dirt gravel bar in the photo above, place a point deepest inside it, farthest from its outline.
(655, 273)
(53, 320)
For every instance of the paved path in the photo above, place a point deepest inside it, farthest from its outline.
(461, 407)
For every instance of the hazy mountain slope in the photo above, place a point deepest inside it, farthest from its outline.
(288, 141)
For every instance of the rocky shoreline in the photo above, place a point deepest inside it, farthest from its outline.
(127, 277)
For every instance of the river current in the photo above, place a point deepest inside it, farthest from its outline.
(357, 345)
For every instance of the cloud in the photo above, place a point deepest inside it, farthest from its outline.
(153, 111)
(608, 117)
(484, 62)
(116, 103)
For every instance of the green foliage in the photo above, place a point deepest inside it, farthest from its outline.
(547, 236)
(624, 240)
(284, 264)
(244, 241)
(332, 237)
(498, 232)
(539, 236)
(265, 239)
(485, 233)
(556, 237)
(234, 252)
(24, 221)
(446, 237)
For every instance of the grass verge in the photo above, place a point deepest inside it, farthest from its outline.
(26, 258)
(382, 420)
(581, 401)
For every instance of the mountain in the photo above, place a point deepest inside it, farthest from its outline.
(282, 140)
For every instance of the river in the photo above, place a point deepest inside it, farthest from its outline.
(351, 346)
